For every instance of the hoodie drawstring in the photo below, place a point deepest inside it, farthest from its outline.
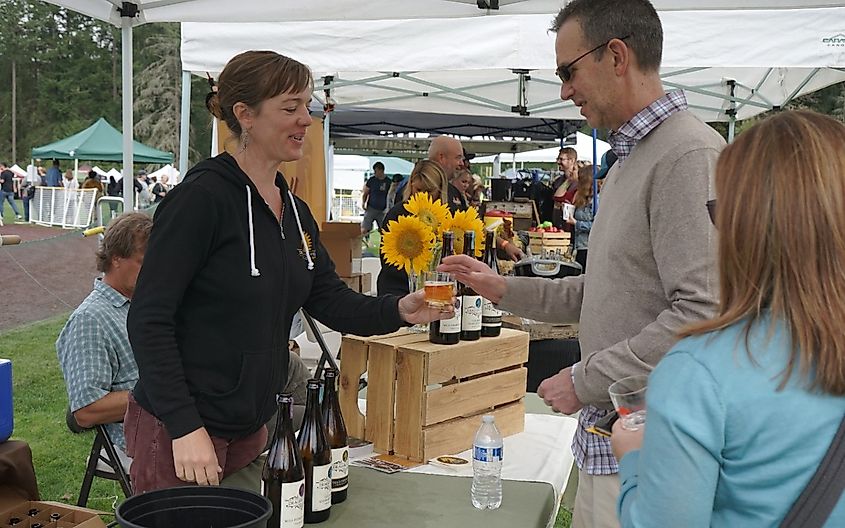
(252, 269)
(301, 232)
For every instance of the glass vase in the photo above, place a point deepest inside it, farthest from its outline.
(416, 283)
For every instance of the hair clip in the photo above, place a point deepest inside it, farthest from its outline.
(211, 83)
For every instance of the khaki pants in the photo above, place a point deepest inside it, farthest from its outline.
(595, 501)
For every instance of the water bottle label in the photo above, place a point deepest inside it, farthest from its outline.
(321, 495)
(487, 454)
(293, 505)
(340, 468)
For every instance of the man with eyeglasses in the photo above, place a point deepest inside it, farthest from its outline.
(651, 264)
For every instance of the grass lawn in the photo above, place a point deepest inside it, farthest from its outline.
(9, 215)
(40, 401)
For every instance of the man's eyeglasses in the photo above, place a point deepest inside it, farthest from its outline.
(711, 210)
(565, 71)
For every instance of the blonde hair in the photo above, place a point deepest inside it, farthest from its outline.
(584, 190)
(781, 220)
(431, 178)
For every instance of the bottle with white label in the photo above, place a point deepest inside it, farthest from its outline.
(470, 300)
(283, 477)
(337, 437)
(316, 458)
(491, 317)
(487, 452)
(447, 331)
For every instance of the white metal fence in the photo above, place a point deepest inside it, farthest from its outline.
(54, 206)
(345, 206)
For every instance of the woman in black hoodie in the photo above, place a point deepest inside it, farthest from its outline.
(232, 256)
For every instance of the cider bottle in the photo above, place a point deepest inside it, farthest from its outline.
(337, 437)
(470, 300)
(283, 477)
(491, 317)
(316, 458)
(447, 331)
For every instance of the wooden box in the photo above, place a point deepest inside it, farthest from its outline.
(342, 241)
(360, 282)
(549, 241)
(426, 400)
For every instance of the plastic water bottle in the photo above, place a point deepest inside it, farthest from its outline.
(487, 453)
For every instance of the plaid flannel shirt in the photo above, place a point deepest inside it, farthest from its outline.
(94, 352)
(592, 452)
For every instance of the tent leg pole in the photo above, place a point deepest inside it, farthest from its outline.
(595, 171)
(731, 129)
(128, 124)
(215, 132)
(184, 125)
(327, 119)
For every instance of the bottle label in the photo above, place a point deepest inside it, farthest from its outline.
(453, 325)
(291, 502)
(340, 468)
(471, 316)
(321, 495)
(490, 315)
(487, 454)
(293, 505)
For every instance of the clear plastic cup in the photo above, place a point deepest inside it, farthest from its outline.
(628, 397)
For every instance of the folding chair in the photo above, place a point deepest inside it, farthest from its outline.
(103, 461)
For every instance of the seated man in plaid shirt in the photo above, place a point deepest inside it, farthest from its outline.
(93, 347)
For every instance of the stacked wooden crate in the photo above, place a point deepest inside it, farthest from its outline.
(425, 400)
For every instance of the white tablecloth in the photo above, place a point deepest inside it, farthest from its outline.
(541, 453)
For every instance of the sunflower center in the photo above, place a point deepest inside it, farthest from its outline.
(410, 246)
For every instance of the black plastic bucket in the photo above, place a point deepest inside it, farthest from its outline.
(199, 506)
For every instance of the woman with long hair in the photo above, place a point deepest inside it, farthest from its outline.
(427, 176)
(743, 409)
(582, 218)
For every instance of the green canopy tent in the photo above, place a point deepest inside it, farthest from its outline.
(99, 142)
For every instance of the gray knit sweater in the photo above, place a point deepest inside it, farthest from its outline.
(651, 265)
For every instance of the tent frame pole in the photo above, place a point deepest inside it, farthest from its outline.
(731, 111)
(184, 126)
(127, 14)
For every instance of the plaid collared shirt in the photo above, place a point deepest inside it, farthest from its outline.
(592, 452)
(624, 140)
(94, 352)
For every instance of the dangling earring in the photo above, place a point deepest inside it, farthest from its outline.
(244, 141)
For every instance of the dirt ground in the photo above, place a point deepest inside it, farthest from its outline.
(50, 272)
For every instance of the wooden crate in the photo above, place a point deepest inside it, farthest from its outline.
(426, 400)
(549, 239)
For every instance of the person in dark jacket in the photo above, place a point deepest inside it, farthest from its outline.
(231, 257)
(427, 176)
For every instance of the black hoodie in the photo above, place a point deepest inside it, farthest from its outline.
(212, 308)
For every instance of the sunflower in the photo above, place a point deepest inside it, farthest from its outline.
(407, 243)
(464, 221)
(432, 213)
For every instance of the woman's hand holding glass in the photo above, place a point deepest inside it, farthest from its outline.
(413, 309)
(440, 290)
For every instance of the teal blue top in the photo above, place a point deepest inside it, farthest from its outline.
(724, 447)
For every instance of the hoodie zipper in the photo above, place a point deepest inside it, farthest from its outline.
(277, 339)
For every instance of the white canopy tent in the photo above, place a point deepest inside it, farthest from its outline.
(505, 65)
(127, 14)
(583, 146)
(168, 170)
(297, 10)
